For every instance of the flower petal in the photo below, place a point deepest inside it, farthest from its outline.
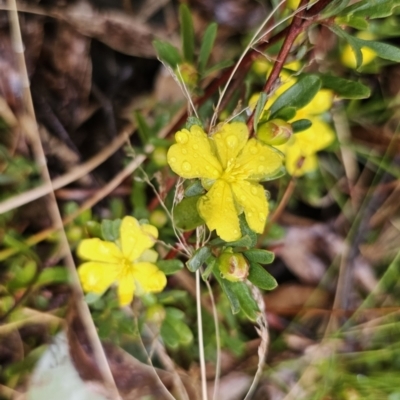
(297, 164)
(319, 136)
(192, 155)
(97, 277)
(229, 140)
(126, 290)
(251, 197)
(149, 278)
(321, 103)
(218, 210)
(98, 250)
(135, 239)
(258, 161)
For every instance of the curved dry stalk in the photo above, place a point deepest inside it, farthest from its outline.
(40, 158)
(264, 335)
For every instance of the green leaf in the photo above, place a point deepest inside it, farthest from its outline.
(262, 100)
(168, 333)
(227, 289)
(207, 44)
(371, 9)
(352, 41)
(169, 267)
(143, 129)
(334, 8)
(246, 300)
(259, 277)
(110, 229)
(298, 95)
(52, 276)
(345, 88)
(216, 67)
(210, 267)
(187, 32)
(194, 189)
(94, 229)
(383, 50)
(167, 53)
(285, 113)
(198, 259)
(301, 125)
(185, 214)
(174, 313)
(260, 256)
(354, 22)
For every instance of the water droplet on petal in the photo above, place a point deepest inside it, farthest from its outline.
(182, 137)
(235, 231)
(253, 150)
(173, 159)
(184, 151)
(231, 141)
(250, 214)
(195, 147)
(262, 158)
(215, 172)
(261, 216)
(260, 168)
(243, 198)
(253, 191)
(186, 166)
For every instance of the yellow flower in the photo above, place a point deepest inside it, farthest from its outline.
(302, 147)
(230, 166)
(125, 263)
(348, 57)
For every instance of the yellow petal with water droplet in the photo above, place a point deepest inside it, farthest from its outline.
(218, 210)
(99, 250)
(192, 155)
(251, 197)
(230, 140)
(135, 239)
(258, 161)
(97, 277)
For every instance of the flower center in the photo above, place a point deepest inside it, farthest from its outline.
(125, 268)
(232, 172)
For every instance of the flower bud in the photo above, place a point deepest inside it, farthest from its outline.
(188, 73)
(233, 266)
(159, 156)
(158, 218)
(275, 132)
(156, 314)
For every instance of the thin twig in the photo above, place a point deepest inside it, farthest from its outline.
(40, 158)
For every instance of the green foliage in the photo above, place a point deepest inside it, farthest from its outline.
(301, 125)
(187, 33)
(185, 214)
(371, 9)
(167, 53)
(170, 267)
(110, 229)
(199, 257)
(207, 44)
(345, 88)
(259, 256)
(298, 95)
(259, 277)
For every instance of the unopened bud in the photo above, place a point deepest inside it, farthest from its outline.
(188, 73)
(233, 266)
(275, 132)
